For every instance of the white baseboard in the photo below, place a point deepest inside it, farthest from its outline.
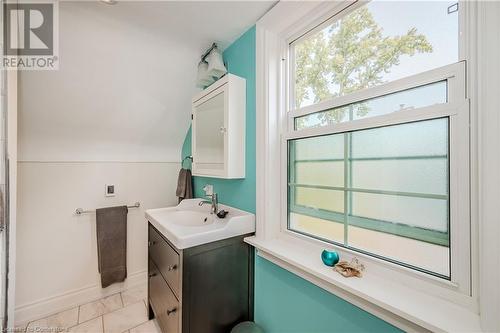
(54, 304)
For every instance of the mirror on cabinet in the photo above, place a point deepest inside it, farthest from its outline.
(209, 140)
(218, 143)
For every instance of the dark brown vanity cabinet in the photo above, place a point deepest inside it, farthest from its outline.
(203, 289)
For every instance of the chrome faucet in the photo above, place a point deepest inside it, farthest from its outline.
(213, 201)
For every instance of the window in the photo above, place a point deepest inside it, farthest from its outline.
(375, 190)
(364, 46)
(377, 138)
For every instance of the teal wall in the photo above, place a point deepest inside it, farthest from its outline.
(240, 193)
(284, 303)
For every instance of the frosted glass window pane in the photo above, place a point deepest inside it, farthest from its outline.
(320, 199)
(317, 227)
(367, 47)
(435, 93)
(320, 148)
(320, 173)
(416, 212)
(389, 189)
(423, 138)
(427, 256)
(409, 175)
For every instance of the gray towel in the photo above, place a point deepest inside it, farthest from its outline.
(111, 226)
(184, 185)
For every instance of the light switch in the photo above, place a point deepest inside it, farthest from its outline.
(110, 190)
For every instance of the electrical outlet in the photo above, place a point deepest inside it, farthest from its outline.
(110, 190)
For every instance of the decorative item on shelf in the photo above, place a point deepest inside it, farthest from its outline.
(211, 67)
(349, 269)
(216, 66)
(330, 258)
(203, 79)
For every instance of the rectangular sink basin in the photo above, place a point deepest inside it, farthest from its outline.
(188, 224)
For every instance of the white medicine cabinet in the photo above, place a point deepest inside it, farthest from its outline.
(218, 142)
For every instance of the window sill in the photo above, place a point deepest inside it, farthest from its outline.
(404, 307)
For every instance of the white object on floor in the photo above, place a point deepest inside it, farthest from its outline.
(188, 224)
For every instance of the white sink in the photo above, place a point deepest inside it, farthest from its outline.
(189, 224)
(190, 218)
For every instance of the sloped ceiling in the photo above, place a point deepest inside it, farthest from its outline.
(126, 76)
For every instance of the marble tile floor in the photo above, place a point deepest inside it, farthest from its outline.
(122, 312)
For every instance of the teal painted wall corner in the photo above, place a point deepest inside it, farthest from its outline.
(284, 302)
(240, 193)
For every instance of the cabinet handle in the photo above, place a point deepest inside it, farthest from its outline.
(222, 129)
(151, 243)
(169, 312)
(152, 275)
(172, 268)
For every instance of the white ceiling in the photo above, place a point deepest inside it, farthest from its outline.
(127, 74)
(193, 22)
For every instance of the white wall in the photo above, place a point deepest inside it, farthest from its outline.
(56, 250)
(122, 92)
(12, 111)
(113, 113)
(488, 120)
(116, 111)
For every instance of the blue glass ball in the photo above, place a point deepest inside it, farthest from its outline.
(330, 258)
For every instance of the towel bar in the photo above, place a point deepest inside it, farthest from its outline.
(186, 158)
(80, 211)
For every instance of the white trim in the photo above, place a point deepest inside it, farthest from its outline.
(404, 307)
(486, 82)
(47, 306)
(456, 109)
(272, 32)
(429, 112)
(451, 73)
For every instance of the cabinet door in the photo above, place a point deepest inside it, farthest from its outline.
(165, 305)
(166, 259)
(209, 133)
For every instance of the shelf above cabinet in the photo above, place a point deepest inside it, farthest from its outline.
(218, 143)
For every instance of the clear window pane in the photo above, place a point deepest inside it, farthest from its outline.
(431, 94)
(379, 189)
(367, 47)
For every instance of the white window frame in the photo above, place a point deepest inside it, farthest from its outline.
(456, 300)
(456, 110)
